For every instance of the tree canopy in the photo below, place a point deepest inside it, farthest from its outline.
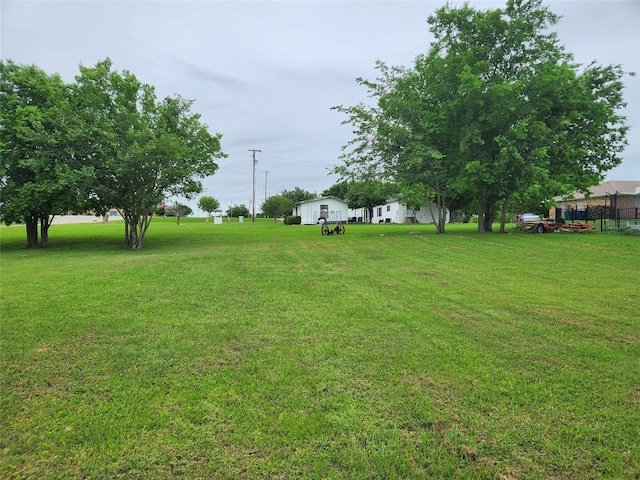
(178, 210)
(142, 150)
(208, 204)
(41, 173)
(298, 195)
(238, 211)
(277, 206)
(102, 142)
(496, 110)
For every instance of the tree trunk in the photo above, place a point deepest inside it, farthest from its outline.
(486, 213)
(442, 209)
(32, 231)
(503, 215)
(45, 223)
(436, 222)
(488, 216)
(134, 238)
(130, 235)
(442, 219)
(126, 233)
(370, 210)
(135, 228)
(480, 214)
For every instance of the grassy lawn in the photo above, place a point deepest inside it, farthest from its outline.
(269, 351)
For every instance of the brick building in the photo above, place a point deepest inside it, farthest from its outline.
(616, 199)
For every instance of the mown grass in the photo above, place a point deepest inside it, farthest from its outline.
(266, 351)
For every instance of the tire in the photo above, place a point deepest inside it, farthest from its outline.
(540, 228)
(342, 229)
(324, 229)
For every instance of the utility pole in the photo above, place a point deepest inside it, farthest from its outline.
(265, 185)
(253, 213)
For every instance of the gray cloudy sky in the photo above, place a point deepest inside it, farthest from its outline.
(265, 74)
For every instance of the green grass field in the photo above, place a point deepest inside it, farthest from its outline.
(269, 351)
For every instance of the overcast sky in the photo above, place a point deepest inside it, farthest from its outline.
(266, 74)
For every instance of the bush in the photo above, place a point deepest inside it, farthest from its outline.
(293, 220)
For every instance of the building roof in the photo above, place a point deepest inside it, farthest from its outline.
(321, 198)
(624, 187)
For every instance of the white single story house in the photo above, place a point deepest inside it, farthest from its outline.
(331, 208)
(395, 212)
(359, 215)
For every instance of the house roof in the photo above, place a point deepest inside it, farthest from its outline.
(321, 198)
(625, 187)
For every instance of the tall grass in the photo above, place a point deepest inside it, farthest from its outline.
(269, 351)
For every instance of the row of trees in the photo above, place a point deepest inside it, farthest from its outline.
(496, 113)
(104, 141)
(273, 207)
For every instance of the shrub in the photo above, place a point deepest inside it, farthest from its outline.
(293, 220)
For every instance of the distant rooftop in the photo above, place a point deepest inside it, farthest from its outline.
(612, 187)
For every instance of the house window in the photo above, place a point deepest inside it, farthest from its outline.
(379, 211)
(388, 208)
(324, 211)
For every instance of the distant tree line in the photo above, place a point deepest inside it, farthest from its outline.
(104, 141)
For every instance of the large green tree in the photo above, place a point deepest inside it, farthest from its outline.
(530, 119)
(40, 173)
(338, 190)
(208, 204)
(277, 206)
(496, 109)
(298, 194)
(400, 138)
(142, 149)
(238, 211)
